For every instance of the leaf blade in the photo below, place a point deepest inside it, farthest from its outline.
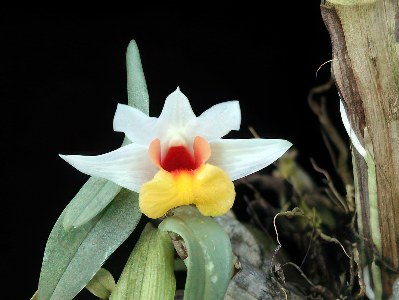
(148, 273)
(102, 284)
(72, 258)
(91, 199)
(136, 85)
(210, 257)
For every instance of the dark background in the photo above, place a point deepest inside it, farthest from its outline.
(63, 75)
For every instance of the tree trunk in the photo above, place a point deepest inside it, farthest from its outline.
(365, 67)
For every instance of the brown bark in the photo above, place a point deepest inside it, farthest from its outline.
(366, 71)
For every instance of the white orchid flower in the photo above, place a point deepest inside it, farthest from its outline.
(180, 159)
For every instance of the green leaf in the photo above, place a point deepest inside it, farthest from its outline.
(102, 284)
(148, 273)
(97, 193)
(92, 198)
(72, 257)
(210, 258)
(137, 93)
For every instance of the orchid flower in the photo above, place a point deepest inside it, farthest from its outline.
(180, 159)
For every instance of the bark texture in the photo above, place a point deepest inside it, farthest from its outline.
(364, 36)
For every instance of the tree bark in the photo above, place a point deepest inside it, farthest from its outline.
(365, 66)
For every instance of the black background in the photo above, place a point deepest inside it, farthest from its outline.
(63, 75)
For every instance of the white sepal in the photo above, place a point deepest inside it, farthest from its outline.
(176, 112)
(240, 158)
(137, 126)
(128, 166)
(217, 121)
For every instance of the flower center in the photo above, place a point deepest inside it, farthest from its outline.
(178, 158)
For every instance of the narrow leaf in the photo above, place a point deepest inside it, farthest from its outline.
(92, 198)
(136, 86)
(72, 257)
(148, 273)
(210, 259)
(102, 284)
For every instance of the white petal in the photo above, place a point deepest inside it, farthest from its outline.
(240, 158)
(137, 126)
(217, 121)
(355, 141)
(176, 112)
(128, 166)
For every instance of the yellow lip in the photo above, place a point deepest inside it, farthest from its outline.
(208, 187)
